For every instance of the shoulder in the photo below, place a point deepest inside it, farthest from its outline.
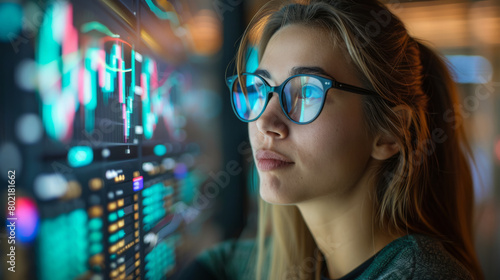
(415, 257)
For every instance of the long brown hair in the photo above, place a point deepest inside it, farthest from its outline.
(427, 187)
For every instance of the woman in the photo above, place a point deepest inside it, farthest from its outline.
(361, 157)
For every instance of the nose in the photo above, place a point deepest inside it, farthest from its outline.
(273, 122)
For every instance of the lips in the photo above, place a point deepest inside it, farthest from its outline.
(268, 160)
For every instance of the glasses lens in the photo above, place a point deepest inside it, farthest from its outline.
(303, 98)
(249, 96)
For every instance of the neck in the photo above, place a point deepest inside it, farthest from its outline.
(344, 229)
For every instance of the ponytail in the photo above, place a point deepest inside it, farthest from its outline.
(451, 191)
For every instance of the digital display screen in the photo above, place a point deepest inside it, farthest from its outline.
(103, 136)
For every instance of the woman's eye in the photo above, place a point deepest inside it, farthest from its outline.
(311, 92)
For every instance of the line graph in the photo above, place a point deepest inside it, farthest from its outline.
(70, 76)
(84, 73)
(160, 97)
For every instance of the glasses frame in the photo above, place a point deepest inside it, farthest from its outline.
(328, 83)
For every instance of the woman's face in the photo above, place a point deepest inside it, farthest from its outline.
(298, 163)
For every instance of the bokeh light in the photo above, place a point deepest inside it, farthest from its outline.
(11, 21)
(27, 219)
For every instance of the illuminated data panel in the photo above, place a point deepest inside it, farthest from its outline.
(167, 208)
(123, 229)
(160, 261)
(110, 172)
(71, 223)
(64, 238)
(158, 214)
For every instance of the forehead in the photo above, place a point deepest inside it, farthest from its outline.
(303, 46)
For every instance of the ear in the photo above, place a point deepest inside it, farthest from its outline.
(384, 147)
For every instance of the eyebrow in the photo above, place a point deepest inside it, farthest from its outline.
(295, 71)
(308, 70)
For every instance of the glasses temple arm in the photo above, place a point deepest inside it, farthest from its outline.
(354, 89)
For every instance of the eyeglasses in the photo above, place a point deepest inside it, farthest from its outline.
(301, 96)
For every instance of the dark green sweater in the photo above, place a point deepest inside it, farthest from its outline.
(409, 257)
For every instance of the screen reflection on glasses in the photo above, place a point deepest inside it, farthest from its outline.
(301, 96)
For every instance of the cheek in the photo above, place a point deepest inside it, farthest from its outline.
(346, 129)
(255, 137)
(252, 133)
(323, 145)
(338, 149)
